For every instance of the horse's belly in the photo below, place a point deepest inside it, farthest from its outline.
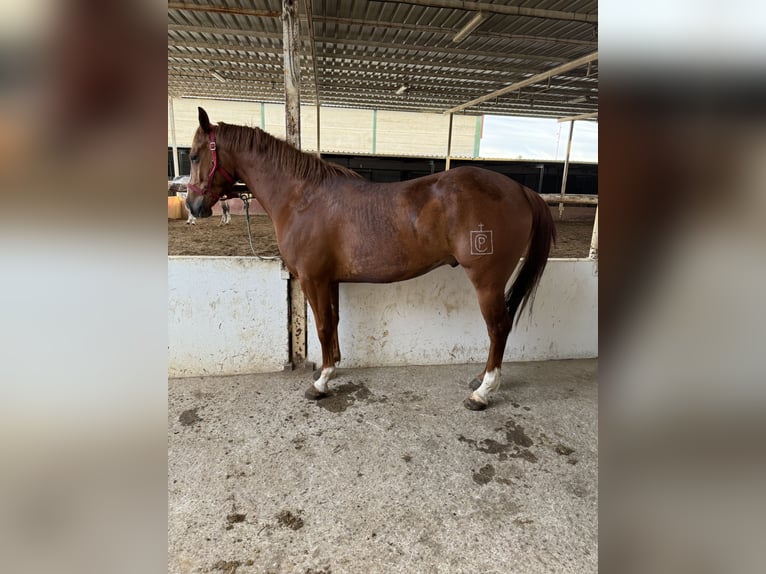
(390, 265)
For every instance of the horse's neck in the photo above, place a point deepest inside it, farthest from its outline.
(271, 187)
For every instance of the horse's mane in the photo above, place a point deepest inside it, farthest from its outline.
(302, 165)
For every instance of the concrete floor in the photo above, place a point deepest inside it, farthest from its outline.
(390, 474)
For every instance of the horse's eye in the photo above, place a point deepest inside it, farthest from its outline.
(194, 158)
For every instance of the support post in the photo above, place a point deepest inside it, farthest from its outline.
(310, 22)
(477, 133)
(449, 145)
(172, 118)
(594, 239)
(566, 170)
(290, 32)
(374, 131)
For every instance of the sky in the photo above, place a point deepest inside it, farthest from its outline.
(538, 139)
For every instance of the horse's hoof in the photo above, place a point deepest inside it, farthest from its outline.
(313, 394)
(473, 405)
(474, 384)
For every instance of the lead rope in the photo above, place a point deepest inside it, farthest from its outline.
(246, 197)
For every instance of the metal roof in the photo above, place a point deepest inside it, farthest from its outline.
(367, 51)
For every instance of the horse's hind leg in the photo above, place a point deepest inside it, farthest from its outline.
(335, 320)
(498, 320)
(320, 298)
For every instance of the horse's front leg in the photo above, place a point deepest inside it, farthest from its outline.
(319, 295)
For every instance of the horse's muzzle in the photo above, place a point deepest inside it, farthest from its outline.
(197, 207)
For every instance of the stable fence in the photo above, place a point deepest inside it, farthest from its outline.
(229, 315)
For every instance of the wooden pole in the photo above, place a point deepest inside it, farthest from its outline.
(171, 117)
(310, 22)
(290, 34)
(449, 145)
(566, 171)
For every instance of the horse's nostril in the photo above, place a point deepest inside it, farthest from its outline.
(194, 205)
(198, 207)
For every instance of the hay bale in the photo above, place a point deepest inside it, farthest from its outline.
(176, 209)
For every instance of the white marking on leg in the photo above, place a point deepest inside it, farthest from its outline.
(321, 383)
(490, 383)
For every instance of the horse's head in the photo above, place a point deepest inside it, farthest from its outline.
(209, 179)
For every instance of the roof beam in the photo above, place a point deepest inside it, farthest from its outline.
(181, 90)
(450, 32)
(455, 4)
(436, 49)
(232, 47)
(222, 57)
(239, 70)
(396, 75)
(223, 31)
(382, 24)
(336, 92)
(529, 81)
(223, 10)
(331, 68)
(312, 47)
(420, 63)
(353, 43)
(507, 10)
(590, 116)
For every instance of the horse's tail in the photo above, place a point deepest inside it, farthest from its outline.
(542, 235)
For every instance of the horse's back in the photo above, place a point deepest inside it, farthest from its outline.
(478, 195)
(480, 183)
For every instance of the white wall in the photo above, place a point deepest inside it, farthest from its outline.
(343, 130)
(228, 315)
(435, 319)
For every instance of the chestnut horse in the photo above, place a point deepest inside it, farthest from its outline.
(333, 226)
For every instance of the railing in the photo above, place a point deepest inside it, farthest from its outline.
(555, 198)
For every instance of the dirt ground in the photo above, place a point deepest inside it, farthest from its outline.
(389, 474)
(207, 237)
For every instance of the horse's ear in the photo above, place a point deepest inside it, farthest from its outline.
(204, 121)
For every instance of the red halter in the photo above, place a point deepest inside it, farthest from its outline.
(213, 168)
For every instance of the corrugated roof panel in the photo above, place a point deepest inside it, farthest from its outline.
(366, 49)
